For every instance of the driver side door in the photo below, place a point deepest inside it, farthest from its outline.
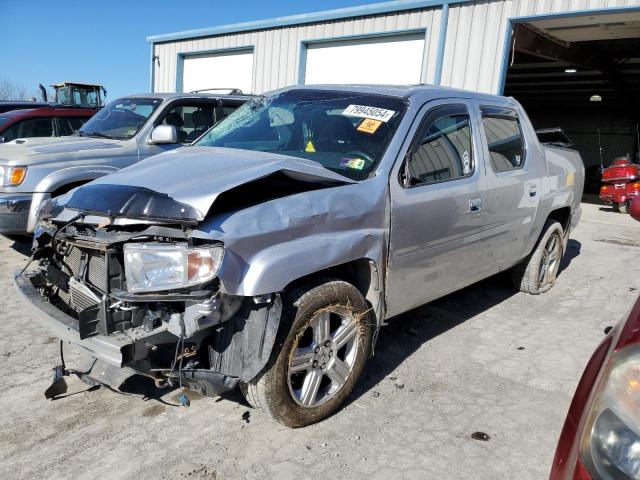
(437, 239)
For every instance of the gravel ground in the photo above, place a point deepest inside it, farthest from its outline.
(483, 359)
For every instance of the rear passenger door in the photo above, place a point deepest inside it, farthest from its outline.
(437, 241)
(516, 180)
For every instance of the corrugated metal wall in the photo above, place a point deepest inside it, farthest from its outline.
(473, 50)
(277, 51)
(476, 33)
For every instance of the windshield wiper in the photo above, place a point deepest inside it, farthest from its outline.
(96, 134)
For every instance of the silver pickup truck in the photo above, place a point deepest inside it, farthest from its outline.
(268, 254)
(126, 131)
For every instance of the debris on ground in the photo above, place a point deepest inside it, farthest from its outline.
(246, 416)
(483, 437)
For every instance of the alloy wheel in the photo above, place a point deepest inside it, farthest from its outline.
(323, 357)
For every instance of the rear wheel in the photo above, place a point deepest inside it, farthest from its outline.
(322, 355)
(623, 207)
(537, 273)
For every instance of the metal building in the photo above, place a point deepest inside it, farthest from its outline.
(565, 60)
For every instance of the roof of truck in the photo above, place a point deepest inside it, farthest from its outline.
(172, 96)
(50, 111)
(406, 91)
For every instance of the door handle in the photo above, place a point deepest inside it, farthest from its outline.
(533, 191)
(475, 205)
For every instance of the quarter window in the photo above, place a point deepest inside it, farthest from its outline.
(504, 138)
(444, 151)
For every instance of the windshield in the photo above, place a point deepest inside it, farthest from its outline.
(121, 119)
(347, 132)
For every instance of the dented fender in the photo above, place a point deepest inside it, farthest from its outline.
(275, 267)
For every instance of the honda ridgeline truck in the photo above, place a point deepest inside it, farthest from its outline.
(268, 254)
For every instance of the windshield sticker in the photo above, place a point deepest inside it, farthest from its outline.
(355, 163)
(369, 126)
(373, 113)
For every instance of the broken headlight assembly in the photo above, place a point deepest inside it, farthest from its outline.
(153, 267)
(610, 446)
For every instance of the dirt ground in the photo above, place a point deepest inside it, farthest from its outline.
(483, 359)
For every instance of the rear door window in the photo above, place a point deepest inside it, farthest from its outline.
(33, 127)
(444, 149)
(504, 138)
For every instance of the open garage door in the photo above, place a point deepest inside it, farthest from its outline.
(581, 73)
(390, 60)
(218, 70)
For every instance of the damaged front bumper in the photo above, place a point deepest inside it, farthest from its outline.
(116, 349)
(229, 352)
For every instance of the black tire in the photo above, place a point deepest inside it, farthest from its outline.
(527, 275)
(273, 390)
(623, 207)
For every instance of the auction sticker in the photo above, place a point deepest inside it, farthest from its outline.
(369, 126)
(364, 111)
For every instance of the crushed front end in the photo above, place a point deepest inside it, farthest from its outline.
(147, 297)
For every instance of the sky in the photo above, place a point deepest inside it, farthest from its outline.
(105, 42)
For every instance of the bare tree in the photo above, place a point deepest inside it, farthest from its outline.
(12, 91)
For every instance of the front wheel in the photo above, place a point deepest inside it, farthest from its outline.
(537, 273)
(322, 355)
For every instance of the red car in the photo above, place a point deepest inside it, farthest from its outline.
(48, 121)
(601, 435)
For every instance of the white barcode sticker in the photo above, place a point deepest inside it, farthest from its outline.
(364, 111)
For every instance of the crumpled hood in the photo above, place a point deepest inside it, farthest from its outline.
(196, 176)
(30, 151)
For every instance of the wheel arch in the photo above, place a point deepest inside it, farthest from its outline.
(362, 273)
(562, 215)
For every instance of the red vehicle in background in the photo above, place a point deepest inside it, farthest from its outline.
(47, 121)
(74, 104)
(601, 434)
(620, 184)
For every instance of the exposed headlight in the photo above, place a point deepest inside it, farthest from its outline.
(15, 176)
(151, 267)
(610, 446)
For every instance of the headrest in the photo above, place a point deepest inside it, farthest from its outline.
(174, 119)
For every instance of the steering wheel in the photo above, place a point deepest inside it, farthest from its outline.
(361, 154)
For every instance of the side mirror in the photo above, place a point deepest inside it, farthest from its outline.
(164, 134)
(634, 211)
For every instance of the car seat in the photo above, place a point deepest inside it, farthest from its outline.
(202, 121)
